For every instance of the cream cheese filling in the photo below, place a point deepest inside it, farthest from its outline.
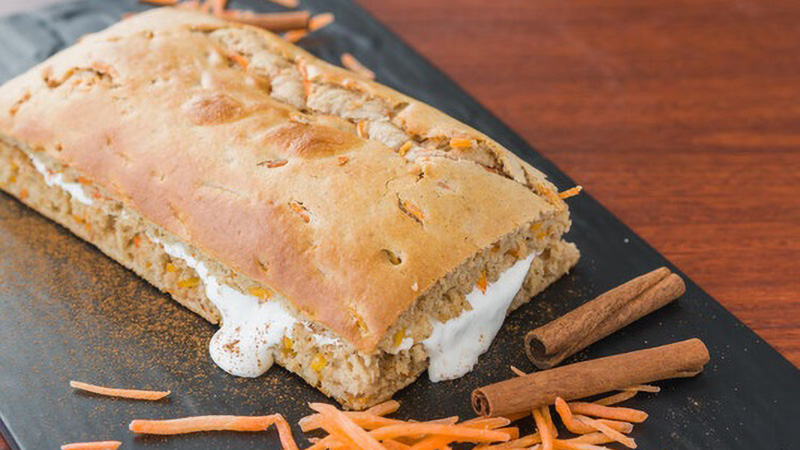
(454, 346)
(57, 179)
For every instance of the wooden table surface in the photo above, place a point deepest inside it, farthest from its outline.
(681, 116)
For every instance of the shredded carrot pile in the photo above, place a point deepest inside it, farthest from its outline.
(370, 430)
(98, 445)
(135, 394)
(350, 62)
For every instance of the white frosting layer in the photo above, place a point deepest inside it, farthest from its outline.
(455, 345)
(57, 179)
(251, 328)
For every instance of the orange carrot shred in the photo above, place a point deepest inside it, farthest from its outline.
(160, 2)
(135, 394)
(285, 433)
(295, 35)
(608, 431)
(137, 241)
(344, 427)
(608, 412)
(202, 423)
(320, 21)
(98, 445)
(549, 420)
(384, 408)
(616, 398)
(349, 61)
(481, 283)
(287, 3)
(571, 192)
(579, 427)
(544, 428)
(460, 143)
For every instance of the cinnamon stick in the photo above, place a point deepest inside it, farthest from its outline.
(587, 378)
(550, 344)
(282, 21)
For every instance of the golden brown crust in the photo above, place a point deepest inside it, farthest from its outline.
(153, 111)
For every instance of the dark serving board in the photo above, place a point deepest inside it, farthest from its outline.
(68, 312)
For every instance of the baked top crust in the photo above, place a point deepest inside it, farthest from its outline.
(164, 118)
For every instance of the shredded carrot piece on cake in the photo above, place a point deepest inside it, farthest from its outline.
(135, 394)
(202, 423)
(481, 283)
(608, 412)
(460, 143)
(571, 192)
(320, 21)
(350, 62)
(591, 438)
(98, 445)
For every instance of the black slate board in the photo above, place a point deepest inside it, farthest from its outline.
(68, 312)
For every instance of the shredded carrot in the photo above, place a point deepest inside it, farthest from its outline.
(523, 442)
(384, 408)
(342, 160)
(513, 432)
(287, 3)
(616, 398)
(202, 423)
(23, 194)
(579, 427)
(349, 61)
(320, 21)
(570, 445)
(458, 431)
(303, 69)
(608, 412)
(644, 388)
(361, 129)
(460, 143)
(544, 428)
(342, 426)
(83, 180)
(592, 438)
(99, 445)
(295, 35)
(135, 394)
(517, 371)
(391, 444)
(404, 148)
(239, 59)
(571, 192)
(137, 241)
(608, 431)
(160, 2)
(438, 442)
(362, 419)
(285, 433)
(481, 283)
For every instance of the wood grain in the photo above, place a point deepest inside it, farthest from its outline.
(681, 116)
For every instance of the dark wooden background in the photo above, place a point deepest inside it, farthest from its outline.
(681, 116)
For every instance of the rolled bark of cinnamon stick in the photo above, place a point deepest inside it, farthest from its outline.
(587, 378)
(550, 344)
